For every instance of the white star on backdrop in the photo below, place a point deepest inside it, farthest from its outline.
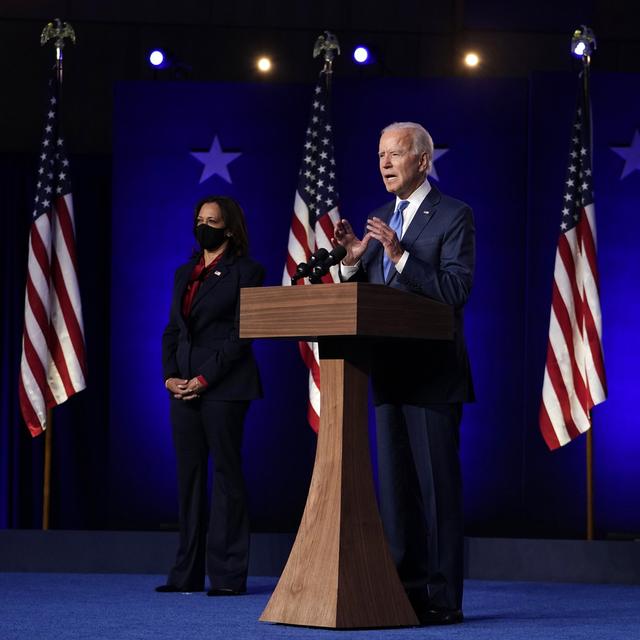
(215, 161)
(437, 153)
(631, 155)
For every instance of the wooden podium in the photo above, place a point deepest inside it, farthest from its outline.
(340, 573)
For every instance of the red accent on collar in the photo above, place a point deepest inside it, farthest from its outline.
(199, 274)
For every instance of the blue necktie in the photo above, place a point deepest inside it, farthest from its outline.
(395, 223)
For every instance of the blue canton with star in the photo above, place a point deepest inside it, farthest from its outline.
(53, 168)
(578, 192)
(317, 178)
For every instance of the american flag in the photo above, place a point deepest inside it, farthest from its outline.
(574, 377)
(315, 212)
(52, 367)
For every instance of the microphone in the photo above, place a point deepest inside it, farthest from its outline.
(337, 253)
(305, 268)
(332, 258)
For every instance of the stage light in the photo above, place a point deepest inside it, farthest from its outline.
(157, 58)
(583, 42)
(361, 55)
(264, 64)
(167, 62)
(472, 59)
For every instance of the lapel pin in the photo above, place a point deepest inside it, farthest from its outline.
(216, 273)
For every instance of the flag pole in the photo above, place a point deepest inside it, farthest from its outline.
(586, 64)
(56, 31)
(46, 481)
(586, 39)
(590, 519)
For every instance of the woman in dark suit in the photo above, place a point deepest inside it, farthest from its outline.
(212, 376)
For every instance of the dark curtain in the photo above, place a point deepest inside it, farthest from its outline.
(79, 430)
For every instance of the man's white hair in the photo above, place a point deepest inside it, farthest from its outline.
(422, 142)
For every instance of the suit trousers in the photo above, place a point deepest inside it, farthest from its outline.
(421, 507)
(202, 428)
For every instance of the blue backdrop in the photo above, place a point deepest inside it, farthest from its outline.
(503, 150)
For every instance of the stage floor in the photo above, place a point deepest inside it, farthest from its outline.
(48, 606)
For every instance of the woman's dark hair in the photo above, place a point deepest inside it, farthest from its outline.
(234, 221)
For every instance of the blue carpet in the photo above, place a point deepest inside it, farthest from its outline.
(49, 606)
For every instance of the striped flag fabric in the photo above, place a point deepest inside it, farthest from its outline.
(315, 212)
(52, 367)
(574, 377)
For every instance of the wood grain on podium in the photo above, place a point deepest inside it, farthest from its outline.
(348, 309)
(340, 573)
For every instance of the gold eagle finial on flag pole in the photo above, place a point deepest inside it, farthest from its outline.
(58, 31)
(327, 44)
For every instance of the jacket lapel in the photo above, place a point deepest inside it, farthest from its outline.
(425, 213)
(218, 273)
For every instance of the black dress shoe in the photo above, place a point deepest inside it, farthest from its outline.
(440, 616)
(222, 591)
(171, 588)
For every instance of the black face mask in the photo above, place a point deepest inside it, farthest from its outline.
(210, 238)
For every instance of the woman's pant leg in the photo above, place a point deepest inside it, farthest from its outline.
(192, 465)
(228, 537)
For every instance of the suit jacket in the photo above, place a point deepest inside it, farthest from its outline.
(207, 344)
(441, 245)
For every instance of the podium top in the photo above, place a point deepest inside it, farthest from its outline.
(342, 309)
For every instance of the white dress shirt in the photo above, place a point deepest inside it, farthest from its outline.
(415, 199)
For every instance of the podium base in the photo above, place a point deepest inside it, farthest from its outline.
(340, 574)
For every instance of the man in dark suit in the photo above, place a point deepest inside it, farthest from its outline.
(424, 243)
